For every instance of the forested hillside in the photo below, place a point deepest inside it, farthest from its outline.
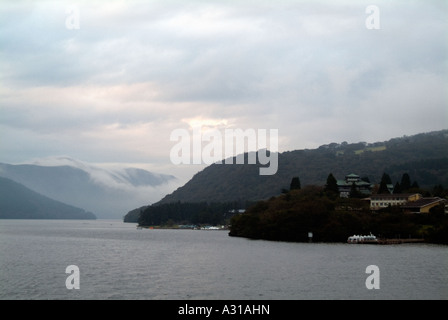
(19, 202)
(290, 217)
(424, 157)
(107, 191)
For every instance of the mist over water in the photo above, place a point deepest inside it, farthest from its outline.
(117, 261)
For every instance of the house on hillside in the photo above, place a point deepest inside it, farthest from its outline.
(353, 180)
(381, 201)
(423, 205)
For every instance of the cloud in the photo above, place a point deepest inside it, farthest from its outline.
(114, 89)
(108, 190)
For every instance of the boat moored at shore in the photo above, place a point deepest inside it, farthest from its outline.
(362, 239)
(371, 239)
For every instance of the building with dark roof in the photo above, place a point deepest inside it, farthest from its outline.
(408, 202)
(381, 201)
(423, 205)
(353, 180)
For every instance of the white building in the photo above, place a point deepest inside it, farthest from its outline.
(380, 201)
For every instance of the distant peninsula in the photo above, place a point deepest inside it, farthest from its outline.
(19, 202)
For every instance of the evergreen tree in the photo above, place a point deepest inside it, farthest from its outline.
(332, 184)
(405, 182)
(354, 192)
(385, 180)
(295, 184)
(397, 188)
(438, 191)
(365, 179)
(383, 188)
(415, 185)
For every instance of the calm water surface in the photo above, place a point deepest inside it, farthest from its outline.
(117, 261)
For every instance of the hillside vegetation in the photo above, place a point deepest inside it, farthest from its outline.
(290, 217)
(109, 191)
(423, 156)
(19, 202)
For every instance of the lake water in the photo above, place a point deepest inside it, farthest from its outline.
(117, 261)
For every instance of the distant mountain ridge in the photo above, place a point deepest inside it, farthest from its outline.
(19, 202)
(108, 192)
(424, 156)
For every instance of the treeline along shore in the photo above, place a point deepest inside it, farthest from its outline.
(293, 215)
(181, 213)
(332, 212)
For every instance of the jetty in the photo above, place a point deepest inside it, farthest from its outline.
(399, 241)
(371, 239)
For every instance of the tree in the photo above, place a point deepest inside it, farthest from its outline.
(439, 191)
(295, 184)
(385, 180)
(332, 184)
(354, 192)
(397, 188)
(415, 185)
(365, 179)
(405, 182)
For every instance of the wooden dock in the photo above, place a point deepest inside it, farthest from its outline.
(399, 241)
(389, 241)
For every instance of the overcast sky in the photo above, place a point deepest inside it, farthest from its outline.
(108, 81)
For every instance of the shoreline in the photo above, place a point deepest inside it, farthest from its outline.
(182, 227)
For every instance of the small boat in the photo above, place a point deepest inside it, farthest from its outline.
(362, 239)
